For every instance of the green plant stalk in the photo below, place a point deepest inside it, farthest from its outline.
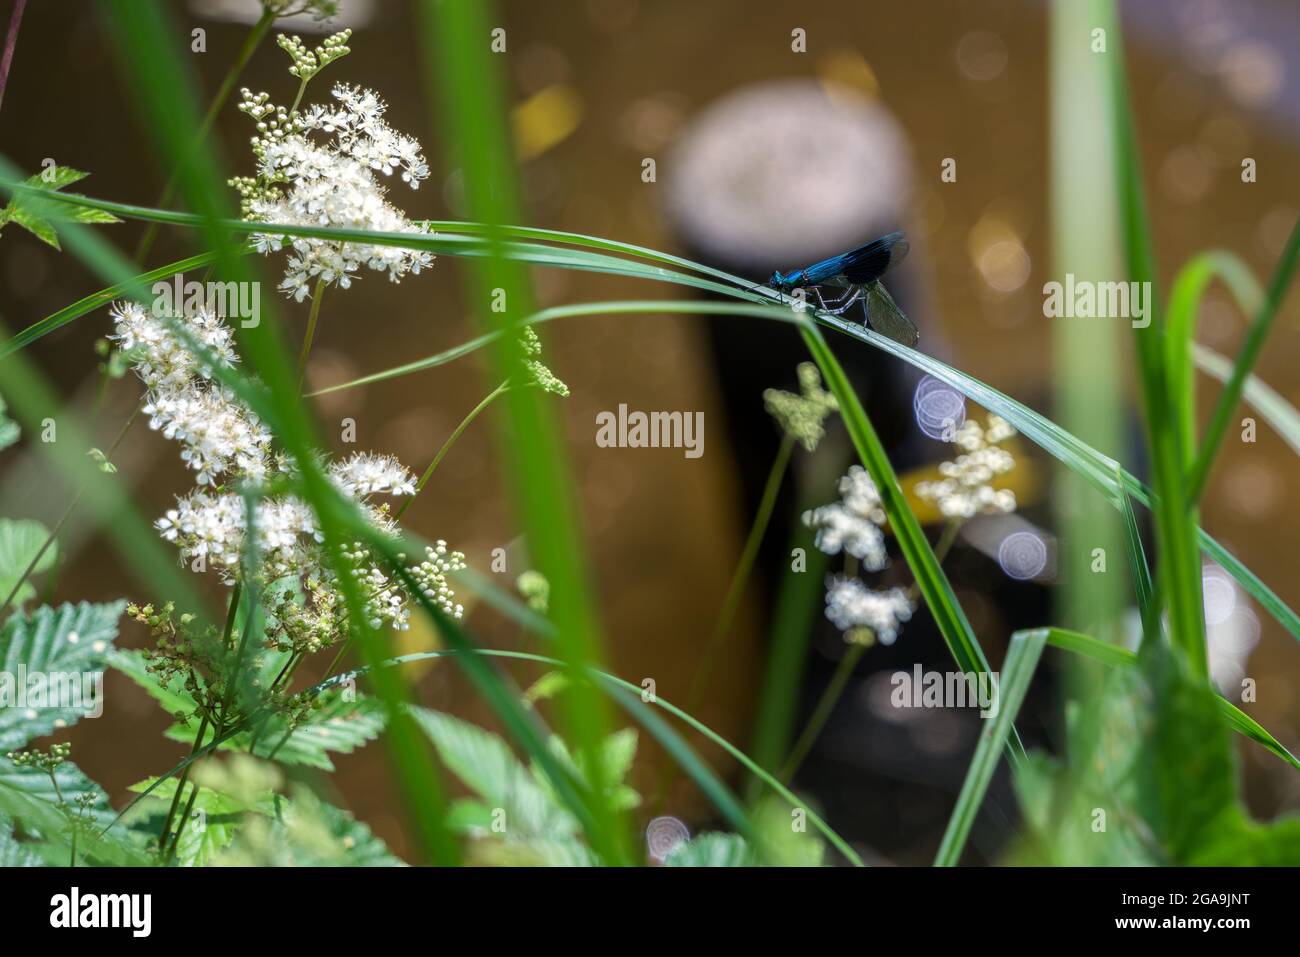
(635, 692)
(1178, 573)
(1246, 360)
(310, 334)
(462, 73)
(822, 711)
(735, 591)
(251, 42)
(1017, 671)
(744, 567)
(1087, 379)
(446, 446)
(786, 659)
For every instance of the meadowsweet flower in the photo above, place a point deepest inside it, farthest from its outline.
(365, 473)
(229, 448)
(966, 487)
(303, 180)
(853, 523)
(801, 416)
(851, 605)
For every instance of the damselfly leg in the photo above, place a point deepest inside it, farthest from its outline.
(837, 307)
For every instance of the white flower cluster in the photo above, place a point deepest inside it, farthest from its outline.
(219, 436)
(851, 605)
(853, 523)
(228, 446)
(304, 182)
(966, 488)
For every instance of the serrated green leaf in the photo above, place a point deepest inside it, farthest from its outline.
(37, 217)
(486, 765)
(14, 853)
(307, 832)
(172, 696)
(20, 540)
(62, 645)
(214, 818)
(534, 852)
(339, 726)
(713, 849)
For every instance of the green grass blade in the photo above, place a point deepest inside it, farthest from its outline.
(1179, 567)
(1116, 657)
(1097, 468)
(1246, 359)
(1017, 671)
(1280, 414)
(1143, 589)
(464, 77)
(97, 300)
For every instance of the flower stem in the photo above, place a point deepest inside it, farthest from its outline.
(451, 440)
(736, 590)
(316, 296)
(11, 41)
(825, 705)
(235, 593)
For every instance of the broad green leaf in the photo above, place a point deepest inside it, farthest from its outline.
(68, 648)
(713, 849)
(20, 541)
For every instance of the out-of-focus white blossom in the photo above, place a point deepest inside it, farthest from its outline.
(851, 605)
(852, 524)
(966, 488)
